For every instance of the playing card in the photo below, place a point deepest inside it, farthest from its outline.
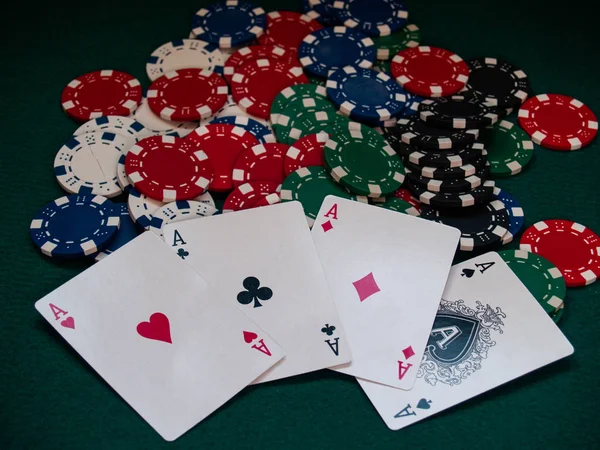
(488, 330)
(264, 261)
(151, 327)
(386, 272)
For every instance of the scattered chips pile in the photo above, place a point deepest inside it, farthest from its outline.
(343, 99)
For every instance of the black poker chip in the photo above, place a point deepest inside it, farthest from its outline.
(450, 185)
(439, 158)
(453, 200)
(482, 228)
(457, 112)
(413, 131)
(451, 173)
(497, 82)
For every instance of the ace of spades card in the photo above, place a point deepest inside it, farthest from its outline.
(386, 272)
(488, 330)
(152, 328)
(263, 260)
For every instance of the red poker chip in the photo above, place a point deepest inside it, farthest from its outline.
(430, 71)
(256, 84)
(246, 195)
(101, 93)
(558, 122)
(247, 54)
(187, 94)
(263, 162)
(571, 247)
(168, 168)
(287, 29)
(306, 151)
(267, 200)
(222, 143)
(405, 195)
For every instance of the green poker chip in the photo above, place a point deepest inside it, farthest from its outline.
(294, 111)
(558, 314)
(291, 93)
(388, 46)
(399, 205)
(310, 185)
(540, 277)
(361, 160)
(509, 148)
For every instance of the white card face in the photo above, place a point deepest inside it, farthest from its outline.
(263, 260)
(386, 272)
(151, 327)
(489, 330)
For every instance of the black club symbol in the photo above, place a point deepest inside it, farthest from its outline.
(328, 329)
(182, 253)
(253, 292)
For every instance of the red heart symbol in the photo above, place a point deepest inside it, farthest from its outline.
(156, 328)
(69, 322)
(249, 336)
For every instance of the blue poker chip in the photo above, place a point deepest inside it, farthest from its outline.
(411, 107)
(328, 49)
(75, 226)
(127, 232)
(515, 214)
(258, 130)
(229, 23)
(365, 95)
(372, 17)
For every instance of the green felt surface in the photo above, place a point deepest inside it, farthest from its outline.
(50, 399)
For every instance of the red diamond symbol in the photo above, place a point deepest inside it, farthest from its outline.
(327, 226)
(366, 286)
(408, 352)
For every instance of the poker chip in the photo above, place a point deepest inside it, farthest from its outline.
(294, 112)
(74, 226)
(388, 46)
(404, 194)
(457, 112)
(257, 83)
(141, 207)
(261, 132)
(310, 186)
(313, 122)
(306, 151)
(229, 23)
(246, 195)
(453, 200)
(556, 316)
(448, 173)
(127, 231)
(287, 29)
(292, 93)
(415, 132)
(178, 211)
(516, 215)
(231, 108)
(440, 158)
(451, 185)
(87, 164)
(362, 161)
(151, 121)
(222, 143)
(411, 107)
(184, 54)
(372, 17)
(570, 246)
(324, 9)
(365, 94)
(168, 168)
(101, 93)
(123, 126)
(262, 162)
(254, 52)
(328, 49)
(497, 82)
(268, 200)
(558, 122)
(481, 230)
(430, 71)
(540, 277)
(399, 205)
(187, 94)
(509, 148)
